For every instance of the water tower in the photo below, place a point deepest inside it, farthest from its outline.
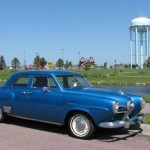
(139, 40)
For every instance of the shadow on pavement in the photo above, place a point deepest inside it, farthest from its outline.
(105, 135)
(113, 135)
(36, 125)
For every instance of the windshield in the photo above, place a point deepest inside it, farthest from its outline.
(73, 81)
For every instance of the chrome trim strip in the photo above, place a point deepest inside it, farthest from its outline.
(115, 124)
(35, 120)
(121, 112)
(126, 122)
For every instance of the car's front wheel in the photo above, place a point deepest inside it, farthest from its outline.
(81, 126)
(1, 115)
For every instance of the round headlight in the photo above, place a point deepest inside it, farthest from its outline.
(130, 105)
(115, 107)
(142, 103)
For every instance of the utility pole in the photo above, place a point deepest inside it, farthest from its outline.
(24, 59)
(62, 50)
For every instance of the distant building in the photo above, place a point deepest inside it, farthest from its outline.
(84, 61)
(50, 65)
(32, 67)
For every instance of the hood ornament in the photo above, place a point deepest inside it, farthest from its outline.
(121, 92)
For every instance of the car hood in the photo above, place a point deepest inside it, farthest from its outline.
(98, 92)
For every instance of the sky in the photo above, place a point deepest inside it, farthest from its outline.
(72, 28)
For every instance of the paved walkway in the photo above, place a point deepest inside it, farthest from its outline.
(144, 127)
(146, 109)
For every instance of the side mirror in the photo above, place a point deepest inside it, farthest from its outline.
(46, 89)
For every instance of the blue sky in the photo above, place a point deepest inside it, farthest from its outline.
(97, 28)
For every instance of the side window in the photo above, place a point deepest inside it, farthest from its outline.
(43, 81)
(21, 81)
(68, 81)
(72, 81)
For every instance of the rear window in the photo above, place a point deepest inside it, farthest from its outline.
(21, 81)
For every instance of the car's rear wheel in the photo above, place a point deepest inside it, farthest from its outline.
(81, 126)
(1, 115)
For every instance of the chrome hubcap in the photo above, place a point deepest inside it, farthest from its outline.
(80, 125)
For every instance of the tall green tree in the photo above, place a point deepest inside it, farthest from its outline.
(87, 66)
(70, 64)
(105, 65)
(42, 62)
(39, 62)
(15, 63)
(2, 63)
(67, 64)
(60, 63)
(147, 63)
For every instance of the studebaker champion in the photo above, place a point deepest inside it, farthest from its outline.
(67, 98)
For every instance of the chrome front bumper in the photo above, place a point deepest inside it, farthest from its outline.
(123, 123)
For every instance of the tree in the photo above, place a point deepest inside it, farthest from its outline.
(15, 63)
(105, 65)
(2, 63)
(87, 66)
(39, 62)
(60, 63)
(42, 62)
(147, 63)
(135, 66)
(126, 66)
(68, 64)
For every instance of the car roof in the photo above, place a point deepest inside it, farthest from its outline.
(39, 72)
(46, 72)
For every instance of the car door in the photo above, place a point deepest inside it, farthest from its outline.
(43, 103)
(19, 88)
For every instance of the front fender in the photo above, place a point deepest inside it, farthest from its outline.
(98, 114)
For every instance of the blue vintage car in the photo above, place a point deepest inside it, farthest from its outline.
(67, 98)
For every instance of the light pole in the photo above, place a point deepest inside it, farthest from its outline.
(62, 50)
(79, 58)
(24, 59)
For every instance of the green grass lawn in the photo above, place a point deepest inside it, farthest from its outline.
(118, 77)
(105, 76)
(147, 98)
(147, 119)
(4, 75)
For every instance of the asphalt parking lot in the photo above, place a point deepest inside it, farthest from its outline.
(18, 134)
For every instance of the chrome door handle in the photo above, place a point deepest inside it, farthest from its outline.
(23, 93)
